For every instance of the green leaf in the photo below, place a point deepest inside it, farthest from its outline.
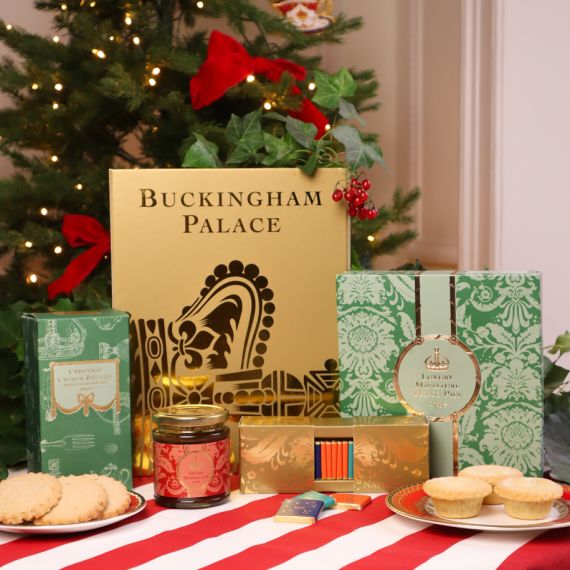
(345, 83)
(330, 88)
(275, 116)
(9, 328)
(355, 264)
(358, 153)
(239, 155)
(310, 166)
(281, 151)
(233, 129)
(348, 111)
(562, 344)
(202, 154)
(374, 152)
(303, 133)
(554, 376)
(64, 304)
(247, 136)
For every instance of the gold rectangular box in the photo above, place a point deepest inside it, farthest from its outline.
(277, 454)
(229, 277)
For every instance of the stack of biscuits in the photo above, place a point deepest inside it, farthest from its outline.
(43, 499)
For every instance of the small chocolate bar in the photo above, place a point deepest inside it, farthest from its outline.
(299, 510)
(327, 500)
(350, 501)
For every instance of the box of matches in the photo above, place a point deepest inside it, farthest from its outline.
(299, 511)
(366, 454)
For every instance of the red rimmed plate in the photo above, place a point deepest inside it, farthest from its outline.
(138, 503)
(411, 502)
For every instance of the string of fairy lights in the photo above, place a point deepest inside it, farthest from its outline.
(150, 79)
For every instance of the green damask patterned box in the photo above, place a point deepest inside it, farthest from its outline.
(464, 349)
(77, 390)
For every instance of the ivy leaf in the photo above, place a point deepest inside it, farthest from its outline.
(374, 152)
(281, 151)
(247, 136)
(348, 111)
(561, 345)
(303, 133)
(330, 88)
(240, 128)
(239, 155)
(202, 154)
(9, 328)
(554, 376)
(310, 166)
(275, 116)
(358, 153)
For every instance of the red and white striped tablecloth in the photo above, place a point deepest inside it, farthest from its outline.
(241, 534)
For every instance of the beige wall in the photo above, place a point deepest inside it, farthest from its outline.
(414, 47)
(532, 184)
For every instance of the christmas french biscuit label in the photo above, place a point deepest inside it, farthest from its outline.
(192, 471)
(437, 375)
(85, 386)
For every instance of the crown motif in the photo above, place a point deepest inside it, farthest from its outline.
(435, 362)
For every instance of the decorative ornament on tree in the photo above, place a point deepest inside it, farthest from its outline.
(81, 231)
(308, 16)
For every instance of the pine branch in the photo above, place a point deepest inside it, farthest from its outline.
(392, 242)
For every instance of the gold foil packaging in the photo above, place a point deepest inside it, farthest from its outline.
(278, 454)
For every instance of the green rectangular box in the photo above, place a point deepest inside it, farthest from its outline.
(77, 390)
(463, 348)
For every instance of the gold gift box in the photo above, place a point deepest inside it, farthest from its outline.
(277, 454)
(239, 272)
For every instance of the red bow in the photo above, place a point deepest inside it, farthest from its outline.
(228, 64)
(79, 231)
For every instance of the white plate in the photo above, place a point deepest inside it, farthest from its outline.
(138, 503)
(413, 503)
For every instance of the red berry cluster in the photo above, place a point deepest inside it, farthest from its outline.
(356, 195)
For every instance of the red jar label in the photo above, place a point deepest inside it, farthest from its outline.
(192, 471)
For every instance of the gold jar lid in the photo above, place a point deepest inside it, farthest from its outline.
(190, 416)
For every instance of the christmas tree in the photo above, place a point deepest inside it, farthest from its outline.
(111, 90)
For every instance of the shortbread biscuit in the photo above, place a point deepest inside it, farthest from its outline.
(26, 497)
(82, 499)
(457, 497)
(491, 474)
(528, 498)
(118, 496)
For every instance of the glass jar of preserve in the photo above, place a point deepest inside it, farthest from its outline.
(191, 452)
